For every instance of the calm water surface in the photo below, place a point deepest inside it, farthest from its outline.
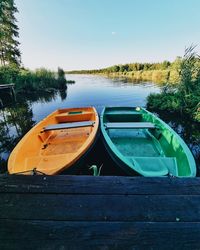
(99, 92)
(17, 118)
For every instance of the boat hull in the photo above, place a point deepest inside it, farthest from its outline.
(142, 144)
(56, 143)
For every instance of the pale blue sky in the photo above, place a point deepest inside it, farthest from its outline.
(86, 34)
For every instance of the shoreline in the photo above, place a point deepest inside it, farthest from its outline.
(157, 76)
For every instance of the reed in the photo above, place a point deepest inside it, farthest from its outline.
(184, 96)
(27, 81)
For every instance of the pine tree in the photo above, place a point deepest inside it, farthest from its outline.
(9, 50)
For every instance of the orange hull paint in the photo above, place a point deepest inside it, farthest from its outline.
(53, 151)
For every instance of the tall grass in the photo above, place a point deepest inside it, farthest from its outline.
(184, 96)
(27, 80)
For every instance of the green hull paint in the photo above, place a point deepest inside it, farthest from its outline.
(145, 151)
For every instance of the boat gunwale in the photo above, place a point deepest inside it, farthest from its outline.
(118, 154)
(82, 150)
(190, 158)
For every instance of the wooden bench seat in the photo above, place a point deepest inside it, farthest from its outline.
(68, 125)
(129, 125)
(74, 113)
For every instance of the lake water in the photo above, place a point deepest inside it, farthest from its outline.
(98, 91)
(17, 118)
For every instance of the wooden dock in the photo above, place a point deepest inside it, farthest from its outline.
(11, 89)
(86, 212)
(7, 86)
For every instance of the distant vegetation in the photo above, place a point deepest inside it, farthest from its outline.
(184, 96)
(157, 72)
(10, 58)
(180, 79)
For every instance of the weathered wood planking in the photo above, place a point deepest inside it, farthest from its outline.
(98, 235)
(86, 212)
(100, 208)
(63, 184)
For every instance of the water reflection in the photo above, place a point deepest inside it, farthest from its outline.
(18, 118)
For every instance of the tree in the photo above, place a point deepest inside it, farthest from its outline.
(176, 65)
(9, 50)
(124, 67)
(115, 68)
(61, 79)
(165, 65)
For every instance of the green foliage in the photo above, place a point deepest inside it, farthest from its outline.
(124, 68)
(176, 65)
(197, 113)
(189, 72)
(184, 96)
(163, 101)
(115, 68)
(9, 51)
(61, 79)
(158, 72)
(26, 80)
(8, 74)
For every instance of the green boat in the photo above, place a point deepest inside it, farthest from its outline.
(142, 144)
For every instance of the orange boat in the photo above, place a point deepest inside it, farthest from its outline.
(55, 143)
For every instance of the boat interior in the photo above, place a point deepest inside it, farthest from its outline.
(140, 141)
(67, 132)
(58, 140)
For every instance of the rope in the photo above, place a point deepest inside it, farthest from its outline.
(34, 172)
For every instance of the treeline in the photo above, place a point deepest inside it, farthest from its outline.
(128, 67)
(158, 72)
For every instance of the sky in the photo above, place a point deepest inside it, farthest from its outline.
(92, 34)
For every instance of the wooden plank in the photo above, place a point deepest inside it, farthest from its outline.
(129, 125)
(98, 235)
(5, 86)
(65, 184)
(155, 208)
(68, 125)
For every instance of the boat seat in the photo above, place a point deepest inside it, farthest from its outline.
(68, 125)
(122, 113)
(73, 113)
(127, 125)
(123, 117)
(156, 166)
